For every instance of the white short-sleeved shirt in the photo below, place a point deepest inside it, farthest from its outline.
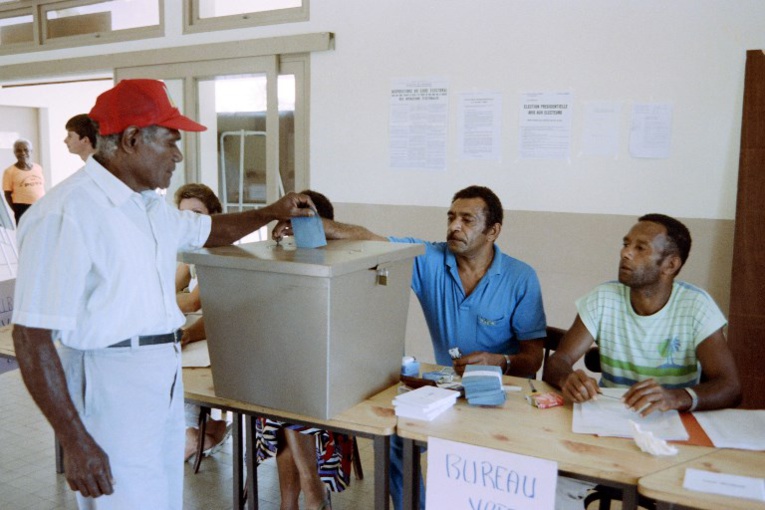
(97, 261)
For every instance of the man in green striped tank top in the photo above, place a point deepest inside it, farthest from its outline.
(660, 337)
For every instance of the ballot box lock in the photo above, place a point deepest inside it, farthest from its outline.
(382, 276)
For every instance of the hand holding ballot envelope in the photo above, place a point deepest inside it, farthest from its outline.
(307, 230)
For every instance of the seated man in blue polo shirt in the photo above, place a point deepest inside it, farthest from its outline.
(472, 295)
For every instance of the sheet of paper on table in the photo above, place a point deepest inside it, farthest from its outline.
(734, 428)
(725, 484)
(195, 355)
(608, 416)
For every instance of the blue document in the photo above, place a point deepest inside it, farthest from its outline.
(309, 231)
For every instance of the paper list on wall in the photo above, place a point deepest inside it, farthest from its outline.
(479, 121)
(418, 124)
(545, 125)
(600, 135)
(651, 130)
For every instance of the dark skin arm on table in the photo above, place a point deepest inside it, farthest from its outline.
(527, 361)
(86, 465)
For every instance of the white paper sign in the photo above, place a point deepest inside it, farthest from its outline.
(725, 484)
(651, 130)
(600, 136)
(545, 125)
(418, 120)
(479, 120)
(462, 476)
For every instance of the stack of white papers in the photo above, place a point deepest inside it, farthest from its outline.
(734, 428)
(195, 355)
(608, 416)
(424, 403)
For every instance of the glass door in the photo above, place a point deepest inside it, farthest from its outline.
(247, 155)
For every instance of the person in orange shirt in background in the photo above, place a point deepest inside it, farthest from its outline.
(23, 182)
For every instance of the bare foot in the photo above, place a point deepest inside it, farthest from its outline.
(215, 432)
(192, 435)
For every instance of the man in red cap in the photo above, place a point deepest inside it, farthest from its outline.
(96, 271)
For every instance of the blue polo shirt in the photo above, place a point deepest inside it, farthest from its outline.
(504, 308)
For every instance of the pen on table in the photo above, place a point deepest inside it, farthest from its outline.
(606, 395)
(531, 385)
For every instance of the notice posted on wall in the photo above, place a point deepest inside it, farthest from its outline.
(545, 125)
(419, 114)
(463, 476)
(651, 130)
(600, 134)
(479, 121)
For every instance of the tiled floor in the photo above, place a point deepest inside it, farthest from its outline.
(28, 478)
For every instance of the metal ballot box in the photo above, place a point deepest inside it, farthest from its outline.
(310, 331)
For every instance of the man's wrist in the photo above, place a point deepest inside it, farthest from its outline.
(508, 361)
(694, 399)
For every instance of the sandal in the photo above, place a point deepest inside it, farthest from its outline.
(327, 503)
(214, 448)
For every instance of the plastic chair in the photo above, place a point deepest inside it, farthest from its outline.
(592, 360)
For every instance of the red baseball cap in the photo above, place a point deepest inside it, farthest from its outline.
(139, 103)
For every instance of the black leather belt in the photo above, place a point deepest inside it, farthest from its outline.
(152, 339)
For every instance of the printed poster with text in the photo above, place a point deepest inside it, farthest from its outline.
(545, 125)
(479, 125)
(467, 477)
(419, 114)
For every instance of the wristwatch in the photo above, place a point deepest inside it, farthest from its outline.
(507, 363)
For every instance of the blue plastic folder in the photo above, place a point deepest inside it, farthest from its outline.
(309, 231)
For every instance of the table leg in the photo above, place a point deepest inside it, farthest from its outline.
(252, 465)
(238, 455)
(382, 475)
(629, 498)
(411, 475)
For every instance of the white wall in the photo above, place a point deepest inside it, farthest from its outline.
(690, 53)
(60, 102)
(687, 52)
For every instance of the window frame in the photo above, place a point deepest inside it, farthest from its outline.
(39, 9)
(193, 24)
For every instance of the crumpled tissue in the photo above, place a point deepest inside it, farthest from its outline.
(650, 444)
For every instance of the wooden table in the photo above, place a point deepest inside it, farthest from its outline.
(373, 418)
(518, 427)
(6, 342)
(666, 487)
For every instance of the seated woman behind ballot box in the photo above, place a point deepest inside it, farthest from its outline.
(308, 459)
(201, 200)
